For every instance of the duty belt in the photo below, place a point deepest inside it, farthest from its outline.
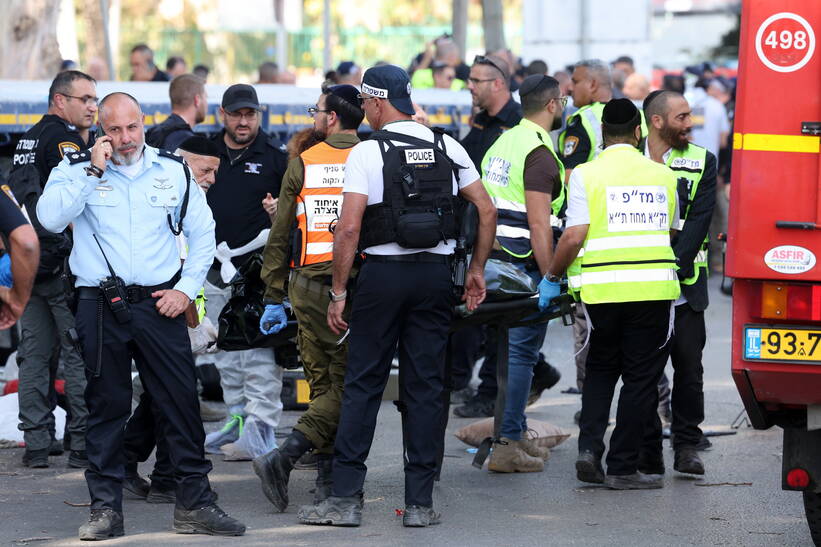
(318, 285)
(136, 293)
(432, 258)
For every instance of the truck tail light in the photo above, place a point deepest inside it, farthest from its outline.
(791, 301)
(798, 478)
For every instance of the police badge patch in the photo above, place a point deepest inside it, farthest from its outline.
(66, 147)
(570, 144)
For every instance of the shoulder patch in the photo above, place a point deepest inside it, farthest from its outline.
(570, 144)
(78, 157)
(170, 155)
(67, 147)
(7, 191)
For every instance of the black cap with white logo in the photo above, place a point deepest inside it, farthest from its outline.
(240, 96)
(389, 82)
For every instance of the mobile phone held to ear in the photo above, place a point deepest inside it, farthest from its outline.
(100, 131)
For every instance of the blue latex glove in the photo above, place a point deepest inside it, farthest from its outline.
(548, 290)
(274, 317)
(5, 270)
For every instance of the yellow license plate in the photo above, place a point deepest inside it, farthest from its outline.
(782, 344)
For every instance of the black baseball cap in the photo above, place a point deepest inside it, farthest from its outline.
(389, 82)
(240, 96)
(200, 145)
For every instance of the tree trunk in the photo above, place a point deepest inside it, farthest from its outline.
(493, 24)
(460, 25)
(28, 39)
(94, 24)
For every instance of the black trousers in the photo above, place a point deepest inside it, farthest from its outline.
(409, 304)
(627, 341)
(687, 400)
(162, 352)
(142, 433)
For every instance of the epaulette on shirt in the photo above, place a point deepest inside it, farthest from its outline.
(79, 157)
(170, 155)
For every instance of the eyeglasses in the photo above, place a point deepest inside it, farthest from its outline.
(312, 111)
(475, 81)
(362, 97)
(239, 115)
(562, 101)
(87, 99)
(483, 60)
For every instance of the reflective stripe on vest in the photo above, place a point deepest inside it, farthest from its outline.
(688, 166)
(590, 116)
(320, 201)
(199, 303)
(503, 177)
(627, 254)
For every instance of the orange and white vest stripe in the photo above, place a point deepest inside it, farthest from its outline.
(320, 201)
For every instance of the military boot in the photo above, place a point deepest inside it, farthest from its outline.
(508, 457)
(334, 511)
(274, 468)
(530, 444)
(102, 524)
(324, 481)
(210, 520)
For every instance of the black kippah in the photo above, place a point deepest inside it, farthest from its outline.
(620, 114)
(200, 145)
(347, 93)
(534, 82)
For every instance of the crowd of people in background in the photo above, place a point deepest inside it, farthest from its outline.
(245, 174)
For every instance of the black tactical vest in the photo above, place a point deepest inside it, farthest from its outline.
(417, 209)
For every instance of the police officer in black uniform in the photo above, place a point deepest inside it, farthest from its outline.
(63, 130)
(398, 208)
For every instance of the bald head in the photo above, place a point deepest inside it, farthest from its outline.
(636, 87)
(121, 118)
(116, 102)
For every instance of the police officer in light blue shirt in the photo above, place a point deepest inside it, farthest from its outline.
(126, 202)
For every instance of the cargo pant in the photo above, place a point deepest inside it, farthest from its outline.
(43, 345)
(323, 361)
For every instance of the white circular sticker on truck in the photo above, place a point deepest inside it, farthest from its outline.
(785, 42)
(790, 259)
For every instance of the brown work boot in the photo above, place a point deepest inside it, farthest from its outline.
(508, 457)
(530, 444)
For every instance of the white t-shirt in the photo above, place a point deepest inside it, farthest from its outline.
(363, 175)
(577, 210)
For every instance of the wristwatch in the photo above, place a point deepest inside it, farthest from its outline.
(337, 297)
(553, 278)
(94, 171)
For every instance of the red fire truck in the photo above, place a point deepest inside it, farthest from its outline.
(774, 235)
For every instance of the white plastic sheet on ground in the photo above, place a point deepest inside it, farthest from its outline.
(9, 419)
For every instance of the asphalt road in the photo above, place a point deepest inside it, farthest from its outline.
(738, 502)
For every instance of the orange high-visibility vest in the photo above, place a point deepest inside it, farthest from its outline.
(320, 202)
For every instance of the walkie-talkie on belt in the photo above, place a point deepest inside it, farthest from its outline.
(113, 290)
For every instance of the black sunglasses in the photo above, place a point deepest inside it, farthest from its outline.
(483, 60)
